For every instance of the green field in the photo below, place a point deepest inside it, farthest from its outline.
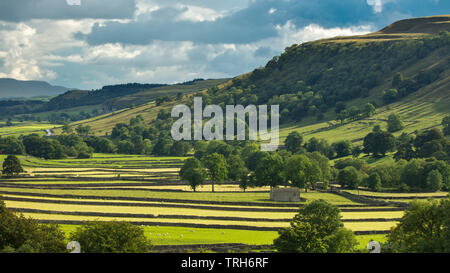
(187, 236)
(172, 213)
(25, 128)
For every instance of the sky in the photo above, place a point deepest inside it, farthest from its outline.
(87, 44)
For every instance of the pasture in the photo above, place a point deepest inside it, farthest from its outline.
(25, 128)
(146, 191)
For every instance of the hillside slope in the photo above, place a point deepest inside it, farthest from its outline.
(309, 80)
(146, 106)
(11, 88)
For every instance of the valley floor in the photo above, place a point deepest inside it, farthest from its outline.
(147, 191)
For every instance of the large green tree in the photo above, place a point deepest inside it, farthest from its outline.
(395, 123)
(374, 182)
(12, 166)
(299, 170)
(317, 228)
(349, 178)
(111, 237)
(294, 142)
(269, 171)
(193, 172)
(379, 143)
(217, 168)
(424, 228)
(11, 145)
(24, 235)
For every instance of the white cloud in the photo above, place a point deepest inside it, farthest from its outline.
(377, 5)
(198, 14)
(28, 49)
(47, 50)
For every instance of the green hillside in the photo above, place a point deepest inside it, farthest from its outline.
(309, 80)
(146, 96)
(147, 108)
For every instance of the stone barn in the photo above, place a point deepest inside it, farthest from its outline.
(285, 194)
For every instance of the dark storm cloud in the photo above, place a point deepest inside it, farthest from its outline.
(24, 10)
(241, 28)
(255, 22)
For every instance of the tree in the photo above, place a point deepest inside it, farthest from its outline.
(357, 151)
(342, 148)
(24, 235)
(111, 237)
(193, 172)
(244, 179)
(67, 128)
(125, 147)
(413, 174)
(390, 96)
(379, 143)
(296, 170)
(317, 228)
(353, 113)
(323, 163)
(374, 182)
(395, 123)
(180, 148)
(368, 110)
(236, 166)
(339, 107)
(83, 130)
(12, 146)
(299, 170)
(342, 116)
(397, 80)
(12, 166)
(446, 124)
(9, 123)
(424, 228)
(434, 180)
(349, 178)
(294, 142)
(163, 145)
(319, 145)
(432, 143)
(217, 168)
(269, 171)
(254, 159)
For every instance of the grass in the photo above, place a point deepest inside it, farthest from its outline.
(110, 161)
(103, 124)
(155, 167)
(416, 116)
(205, 196)
(187, 211)
(188, 236)
(395, 194)
(151, 210)
(363, 240)
(25, 128)
(154, 221)
(369, 226)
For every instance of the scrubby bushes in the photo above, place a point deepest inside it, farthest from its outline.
(111, 237)
(317, 228)
(24, 235)
(424, 228)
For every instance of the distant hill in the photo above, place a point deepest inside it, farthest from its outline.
(429, 25)
(11, 88)
(75, 98)
(108, 98)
